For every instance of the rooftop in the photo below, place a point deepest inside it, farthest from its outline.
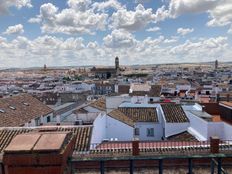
(174, 113)
(184, 136)
(99, 104)
(18, 110)
(203, 115)
(140, 114)
(40, 142)
(120, 116)
(82, 133)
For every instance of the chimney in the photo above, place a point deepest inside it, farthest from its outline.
(58, 120)
(214, 144)
(135, 147)
(228, 97)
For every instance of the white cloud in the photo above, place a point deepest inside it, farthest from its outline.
(219, 11)
(79, 5)
(102, 6)
(170, 41)
(16, 29)
(34, 20)
(6, 4)
(180, 7)
(78, 19)
(154, 29)
(54, 51)
(221, 15)
(92, 45)
(204, 48)
(132, 20)
(184, 31)
(119, 39)
(230, 30)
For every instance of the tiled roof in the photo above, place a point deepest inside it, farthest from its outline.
(83, 135)
(184, 136)
(99, 104)
(118, 115)
(18, 110)
(80, 111)
(140, 114)
(229, 104)
(6, 135)
(155, 90)
(174, 113)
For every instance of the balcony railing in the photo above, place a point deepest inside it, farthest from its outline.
(155, 148)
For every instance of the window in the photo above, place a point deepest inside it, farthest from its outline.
(136, 131)
(150, 132)
(48, 119)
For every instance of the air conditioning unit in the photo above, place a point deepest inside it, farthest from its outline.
(78, 122)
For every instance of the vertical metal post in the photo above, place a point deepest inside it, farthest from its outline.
(212, 166)
(102, 168)
(219, 165)
(71, 167)
(160, 166)
(131, 166)
(190, 166)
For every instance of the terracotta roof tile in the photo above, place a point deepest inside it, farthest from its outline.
(140, 114)
(184, 136)
(174, 113)
(18, 110)
(155, 91)
(83, 135)
(118, 115)
(99, 104)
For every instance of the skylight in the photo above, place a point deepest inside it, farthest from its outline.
(11, 107)
(26, 104)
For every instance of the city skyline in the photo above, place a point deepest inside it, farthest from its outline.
(85, 32)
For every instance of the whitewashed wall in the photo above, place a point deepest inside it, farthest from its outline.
(119, 130)
(183, 87)
(216, 129)
(227, 135)
(87, 117)
(175, 128)
(139, 99)
(99, 129)
(198, 125)
(143, 126)
(114, 102)
(91, 109)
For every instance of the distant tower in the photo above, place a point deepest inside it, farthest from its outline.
(117, 66)
(117, 63)
(216, 64)
(45, 67)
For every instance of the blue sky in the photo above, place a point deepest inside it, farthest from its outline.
(87, 32)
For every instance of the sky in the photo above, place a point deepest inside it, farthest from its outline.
(94, 32)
